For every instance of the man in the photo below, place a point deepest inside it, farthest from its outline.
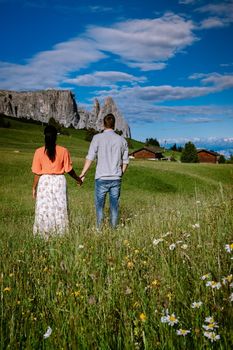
(111, 152)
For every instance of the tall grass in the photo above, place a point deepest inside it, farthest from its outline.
(112, 290)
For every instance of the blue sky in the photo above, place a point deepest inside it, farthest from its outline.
(167, 64)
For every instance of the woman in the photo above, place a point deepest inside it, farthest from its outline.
(50, 162)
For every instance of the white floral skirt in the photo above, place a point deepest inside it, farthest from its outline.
(51, 212)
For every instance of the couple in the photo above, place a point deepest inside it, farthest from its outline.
(51, 161)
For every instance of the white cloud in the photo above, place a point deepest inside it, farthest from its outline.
(138, 110)
(139, 102)
(157, 94)
(217, 81)
(108, 78)
(147, 66)
(98, 8)
(212, 22)
(226, 64)
(187, 2)
(222, 13)
(221, 8)
(200, 120)
(145, 42)
(49, 68)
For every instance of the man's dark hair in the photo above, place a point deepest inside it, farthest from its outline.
(109, 121)
(50, 133)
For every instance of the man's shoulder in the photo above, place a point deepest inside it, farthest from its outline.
(121, 138)
(97, 137)
(113, 135)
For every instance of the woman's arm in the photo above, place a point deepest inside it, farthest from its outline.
(34, 187)
(73, 174)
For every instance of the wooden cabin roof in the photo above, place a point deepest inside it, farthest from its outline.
(154, 150)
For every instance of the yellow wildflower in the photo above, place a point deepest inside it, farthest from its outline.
(130, 264)
(142, 317)
(155, 283)
(7, 289)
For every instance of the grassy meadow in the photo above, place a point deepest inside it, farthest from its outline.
(162, 280)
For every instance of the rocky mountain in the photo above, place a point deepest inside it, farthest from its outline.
(94, 118)
(110, 107)
(60, 105)
(41, 105)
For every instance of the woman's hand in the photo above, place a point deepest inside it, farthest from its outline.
(34, 186)
(34, 193)
(79, 181)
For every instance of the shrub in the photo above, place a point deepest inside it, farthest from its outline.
(4, 123)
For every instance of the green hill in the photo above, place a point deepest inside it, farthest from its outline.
(18, 143)
(136, 287)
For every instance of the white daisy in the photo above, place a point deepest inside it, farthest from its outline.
(157, 241)
(213, 284)
(183, 332)
(196, 304)
(171, 320)
(229, 247)
(47, 333)
(212, 336)
(197, 225)
(210, 326)
(206, 276)
(209, 319)
(172, 246)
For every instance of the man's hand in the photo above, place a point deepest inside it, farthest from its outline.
(79, 181)
(82, 178)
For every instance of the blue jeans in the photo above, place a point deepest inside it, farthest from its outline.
(102, 187)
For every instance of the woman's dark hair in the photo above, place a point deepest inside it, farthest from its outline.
(50, 138)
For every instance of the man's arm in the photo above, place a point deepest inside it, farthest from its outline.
(124, 167)
(86, 167)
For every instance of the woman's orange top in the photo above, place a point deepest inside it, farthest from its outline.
(41, 163)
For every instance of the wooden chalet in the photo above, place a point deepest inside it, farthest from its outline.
(147, 153)
(206, 156)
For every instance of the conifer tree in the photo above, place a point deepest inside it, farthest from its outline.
(189, 153)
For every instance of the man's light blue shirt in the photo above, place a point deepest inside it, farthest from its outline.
(110, 151)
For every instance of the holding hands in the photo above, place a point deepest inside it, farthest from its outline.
(79, 181)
